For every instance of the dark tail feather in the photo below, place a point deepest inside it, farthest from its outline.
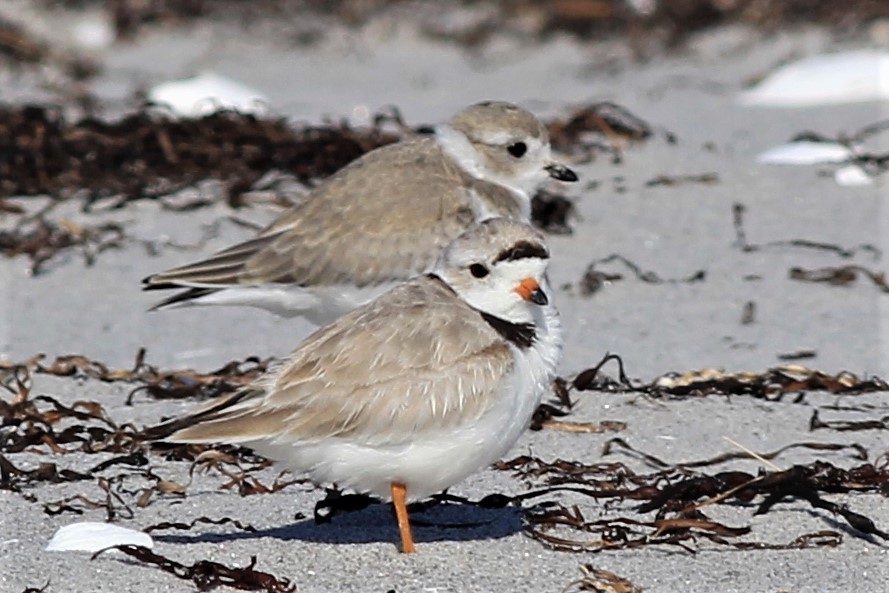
(163, 430)
(180, 297)
(211, 411)
(223, 268)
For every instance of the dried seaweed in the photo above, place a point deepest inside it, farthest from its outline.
(674, 180)
(18, 46)
(32, 423)
(591, 379)
(773, 383)
(42, 239)
(840, 276)
(748, 313)
(627, 534)
(240, 478)
(816, 423)
(114, 503)
(13, 478)
(26, 424)
(677, 494)
(670, 22)
(118, 498)
(857, 452)
(206, 574)
(203, 520)
(666, 23)
(804, 483)
(550, 212)
(797, 355)
(147, 155)
(546, 413)
(156, 383)
(602, 581)
(679, 520)
(585, 427)
(738, 211)
(593, 279)
(543, 414)
(597, 127)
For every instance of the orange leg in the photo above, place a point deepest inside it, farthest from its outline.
(399, 494)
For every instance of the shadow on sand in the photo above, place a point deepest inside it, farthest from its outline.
(375, 524)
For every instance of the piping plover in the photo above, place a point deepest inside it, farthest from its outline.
(381, 219)
(414, 391)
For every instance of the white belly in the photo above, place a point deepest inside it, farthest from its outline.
(434, 461)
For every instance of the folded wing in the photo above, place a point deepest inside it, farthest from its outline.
(415, 360)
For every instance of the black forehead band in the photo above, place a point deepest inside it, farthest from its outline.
(522, 250)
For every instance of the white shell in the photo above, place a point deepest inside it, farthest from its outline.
(91, 536)
(852, 176)
(206, 93)
(847, 77)
(805, 153)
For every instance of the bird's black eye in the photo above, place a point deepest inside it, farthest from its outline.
(517, 149)
(478, 270)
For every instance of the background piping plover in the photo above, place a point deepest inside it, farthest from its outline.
(414, 391)
(381, 219)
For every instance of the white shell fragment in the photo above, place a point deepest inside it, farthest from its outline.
(805, 153)
(847, 77)
(205, 94)
(91, 536)
(852, 176)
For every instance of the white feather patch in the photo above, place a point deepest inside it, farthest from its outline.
(91, 536)
(457, 146)
(846, 77)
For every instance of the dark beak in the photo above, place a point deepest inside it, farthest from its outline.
(561, 172)
(538, 297)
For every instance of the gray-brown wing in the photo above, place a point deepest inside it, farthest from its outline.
(417, 359)
(383, 217)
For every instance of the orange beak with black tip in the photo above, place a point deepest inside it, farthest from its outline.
(530, 290)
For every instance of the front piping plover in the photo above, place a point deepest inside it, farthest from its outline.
(414, 391)
(382, 219)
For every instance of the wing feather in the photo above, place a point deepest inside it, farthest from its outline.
(402, 201)
(418, 359)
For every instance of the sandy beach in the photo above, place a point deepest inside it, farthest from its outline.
(668, 206)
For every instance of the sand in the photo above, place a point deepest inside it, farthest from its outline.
(673, 231)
